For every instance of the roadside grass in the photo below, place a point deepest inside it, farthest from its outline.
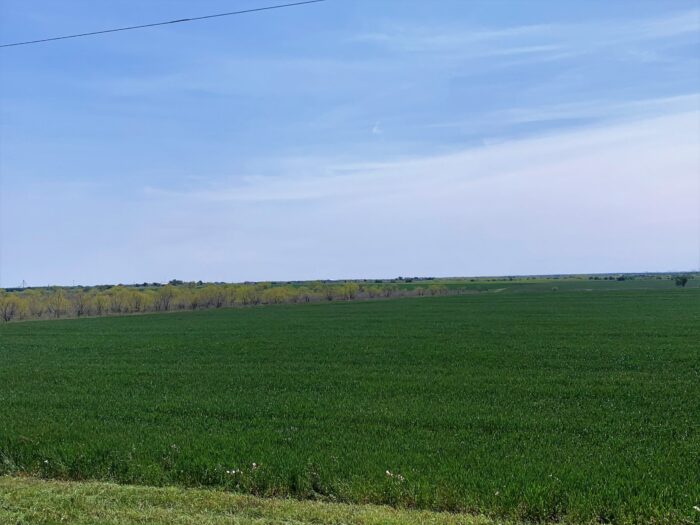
(29, 501)
(532, 406)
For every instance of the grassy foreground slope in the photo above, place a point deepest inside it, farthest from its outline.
(532, 405)
(31, 501)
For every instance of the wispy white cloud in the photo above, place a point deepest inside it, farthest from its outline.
(523, 50)
(686, 22)
(422, 39)
(618, 156)
(595, 110)
(619, 197)
(541, 42)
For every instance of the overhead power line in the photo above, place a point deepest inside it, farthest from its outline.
(179, 21)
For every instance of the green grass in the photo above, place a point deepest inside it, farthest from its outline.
(33, 502)
(532, 405)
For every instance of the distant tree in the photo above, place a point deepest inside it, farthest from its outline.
(388, 290)
(80, 303)
(681, 280)
(213, 295)
(275, 295)
(374, 291)
(247, 294)
(349, 291)
(57, 303)
(329, 292)
(164, 298)
(11, 306)
(100, 303)
(118, 299)
(36, 303)
(137, 301)
(192, 299)
(306, 294)
(231, 295)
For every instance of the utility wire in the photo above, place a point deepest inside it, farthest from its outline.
(219, 15)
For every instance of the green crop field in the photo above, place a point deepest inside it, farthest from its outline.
(579, 405)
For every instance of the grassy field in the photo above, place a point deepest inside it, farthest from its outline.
(26, 501)
(527, 403)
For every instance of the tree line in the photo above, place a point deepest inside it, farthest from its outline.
(60, 302)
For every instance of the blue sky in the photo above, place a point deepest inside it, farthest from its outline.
(348, 139)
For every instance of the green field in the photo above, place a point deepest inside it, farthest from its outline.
(525, 403)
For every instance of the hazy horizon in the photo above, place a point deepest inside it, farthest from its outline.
(368, 279)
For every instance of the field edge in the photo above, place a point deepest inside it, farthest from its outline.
(25, 500)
